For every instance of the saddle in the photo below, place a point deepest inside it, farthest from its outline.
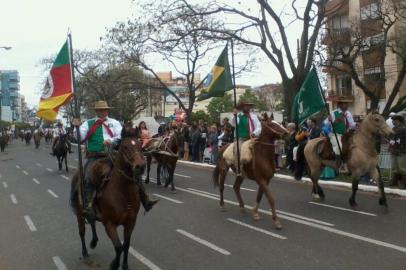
(246, 153)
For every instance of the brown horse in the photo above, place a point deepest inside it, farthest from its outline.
(359, 153)
(37, 138)
(118, 202)
(260, 169)
(166, 157)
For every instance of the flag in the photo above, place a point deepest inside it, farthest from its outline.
(219, 79)
(309, 100)
(58, 87)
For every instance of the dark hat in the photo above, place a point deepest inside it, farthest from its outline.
(398, 117)
(243, 103)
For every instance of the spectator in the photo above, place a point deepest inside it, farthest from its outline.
(145, 136)
(186, 138)
(203, 139)
(213, 141)
(398, 150)
(291, 143)
(389, 121)
(195, 142)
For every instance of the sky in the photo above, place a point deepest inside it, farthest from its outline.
(37, 29)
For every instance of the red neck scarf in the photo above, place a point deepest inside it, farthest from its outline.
(250, 122)
(95, 126)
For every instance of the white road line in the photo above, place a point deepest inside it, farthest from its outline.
(13, 198)
(65, 177)
(30, 224)
(52, 193)
(257, 229)
(204, 242)
(39, 164)
(35, 181)
(18, 167)
(49, 170)
(313, 225)
(181, 175)
(167, 198)
(5, 185)
(144, 260)
(247, 189)
(73, 167)
(268, 212)
(59, 263)
(25, 172)
(344, 209)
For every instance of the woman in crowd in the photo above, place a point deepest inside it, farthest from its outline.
(145, 136)
(212, 141)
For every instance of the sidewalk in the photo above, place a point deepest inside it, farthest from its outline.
(368, 188)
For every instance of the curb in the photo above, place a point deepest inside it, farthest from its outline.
(361, 187)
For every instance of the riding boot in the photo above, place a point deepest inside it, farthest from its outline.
(146, 202)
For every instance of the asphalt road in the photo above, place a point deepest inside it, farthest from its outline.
(187, 230)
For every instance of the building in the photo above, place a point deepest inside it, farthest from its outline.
(10, 97)
(24, 109)
(356, 25)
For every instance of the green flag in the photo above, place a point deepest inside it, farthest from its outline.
(308, 101)
(219, 80)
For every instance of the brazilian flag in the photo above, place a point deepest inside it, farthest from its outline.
(219, 80)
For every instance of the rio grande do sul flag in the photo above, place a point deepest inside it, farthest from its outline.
(58, 88)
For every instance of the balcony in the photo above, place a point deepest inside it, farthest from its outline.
(339, 36)
(342, 95)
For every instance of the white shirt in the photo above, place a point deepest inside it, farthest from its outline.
(113, 124)
(256, 122)
(347, 115)
(389, 122)
(59, 131)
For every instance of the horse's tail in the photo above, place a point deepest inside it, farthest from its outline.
(74, 195)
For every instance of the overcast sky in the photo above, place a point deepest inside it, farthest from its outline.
(37, 29)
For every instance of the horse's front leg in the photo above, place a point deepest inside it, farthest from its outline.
(355, 181)
(95, 239)
(236, 187)
(128, 229)
(264, 186)
(118, 247)
(255, 214)
(82, 232)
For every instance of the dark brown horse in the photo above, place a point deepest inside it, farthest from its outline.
(260, 169)
(166, 156)
(28, 137)
(118, 202)
(3, 141)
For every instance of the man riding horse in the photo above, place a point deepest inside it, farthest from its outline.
(98, 133)
(58, 131)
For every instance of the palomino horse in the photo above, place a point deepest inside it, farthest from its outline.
(61, 152)
(260, 169)
(359, 153)
(118, 203)
(166, 157)
(37, 139)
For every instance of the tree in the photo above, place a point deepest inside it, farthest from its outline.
(250, 97)
(263, 26)
(219, 105)
(271, 95)
(374, 41)
(200, 115)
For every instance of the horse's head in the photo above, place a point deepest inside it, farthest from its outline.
(131, 151)
(376, 124)
(272, 129)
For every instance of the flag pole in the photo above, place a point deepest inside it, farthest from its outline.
(77, 115)
(235, 113)
(328, 111)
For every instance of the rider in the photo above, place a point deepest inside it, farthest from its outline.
(249, 126)
(58, 131)
(98, 133)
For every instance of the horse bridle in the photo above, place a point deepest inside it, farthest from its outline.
(273, 130)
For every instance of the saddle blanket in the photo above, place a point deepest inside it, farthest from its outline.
(246, 151)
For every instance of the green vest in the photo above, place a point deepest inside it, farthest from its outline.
(243, 127)
(339, 127)
(95, 142)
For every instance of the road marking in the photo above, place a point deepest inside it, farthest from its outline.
(268, 212)
(30, 224)
(18, 167)
(247, 189)
(59, 263)
(5, 185)
(49, 170)
(144, 260)
(313, 225)
(52, 193)
(344, 209)
(73, 167)
(167, 198)
(257, 229)
(36, 181)
(65, 177)
(39, 164)
(204, 242)
(13, 198)
(25, 172)
(181, 175)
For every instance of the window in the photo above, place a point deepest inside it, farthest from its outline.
(344, 85)
(340, 22)
(369, 12)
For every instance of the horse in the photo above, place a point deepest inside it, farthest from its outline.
(3, 141)
(360, 154)
(166, 157)
(61, 152)
(21, 135)
(260, 168)
(118, 203)
(37, 138)
(48, 137)
(27, 138)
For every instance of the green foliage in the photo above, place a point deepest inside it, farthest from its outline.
(250, 97)
(219, 105)
(200, 115)
(4, 124)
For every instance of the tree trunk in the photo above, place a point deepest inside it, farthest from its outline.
(290, 88)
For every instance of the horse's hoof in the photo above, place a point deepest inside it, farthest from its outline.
(277, 224)
(85, 254)
(353, 203)
(173, 191)
(93, 243)
(316, 197)
(114, 266)
(256, 216)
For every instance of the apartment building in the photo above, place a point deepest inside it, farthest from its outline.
(10, 107)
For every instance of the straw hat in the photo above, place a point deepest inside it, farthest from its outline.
(101, 105)
(243, 103)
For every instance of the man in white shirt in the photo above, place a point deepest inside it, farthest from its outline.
(58, 131)
(389, 121)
